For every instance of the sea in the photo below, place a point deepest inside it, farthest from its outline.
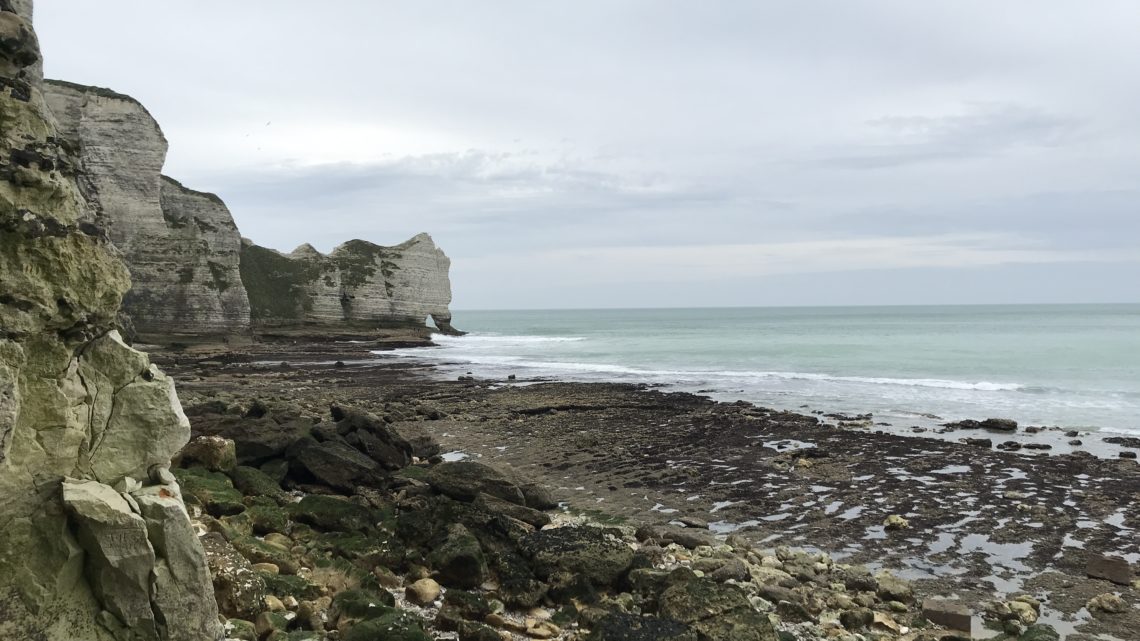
(1071, 366)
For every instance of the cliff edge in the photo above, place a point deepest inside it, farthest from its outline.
(97, 541)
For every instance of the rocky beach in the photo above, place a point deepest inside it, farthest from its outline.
(204, 439)
(954, 518)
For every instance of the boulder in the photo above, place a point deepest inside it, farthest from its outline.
(600, 555)
(331, 514)
(465, 480)
(1108, 603)
(335, 464)
(459, 560)
(999, 425)
(423, 592)
(951, 614)
(119, 556)
(214, 453)
(717, 611)
(522, 513)
(619, 626)
(256, 440)
(239, 590)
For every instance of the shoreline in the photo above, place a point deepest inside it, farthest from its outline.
(983, 524)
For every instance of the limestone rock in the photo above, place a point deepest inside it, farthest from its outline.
(239, 590)
(1108, 602)
(119, 556)
(359, 285)
(423, 592)
(180, 570)
(182, 246)
(74, 400)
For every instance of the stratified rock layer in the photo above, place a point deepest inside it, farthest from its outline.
(110, 553)
(194, 278)
(181, 246)
(358, 286)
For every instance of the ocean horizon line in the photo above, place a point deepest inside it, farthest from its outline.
(743, 307)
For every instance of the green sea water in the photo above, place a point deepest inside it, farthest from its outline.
(1063, 365)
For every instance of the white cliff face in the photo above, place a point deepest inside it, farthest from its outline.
(182, 247)
(97, 544)
(357, 286)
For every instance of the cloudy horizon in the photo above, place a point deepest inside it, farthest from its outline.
(621, 155)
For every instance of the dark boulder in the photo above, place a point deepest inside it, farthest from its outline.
(465, 480)
(717, 611)
(630, 627)
(335, 464)
(459, 560)
(598, 554)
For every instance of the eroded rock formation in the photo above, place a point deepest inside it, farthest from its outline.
(181, 246)
(358, 285)
(97, 544)
(184, 250)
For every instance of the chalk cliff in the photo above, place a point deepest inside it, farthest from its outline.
(194, 279)
(181, 246)
(357, 286)
(97, 544)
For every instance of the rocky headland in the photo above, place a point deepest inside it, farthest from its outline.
(194, 279)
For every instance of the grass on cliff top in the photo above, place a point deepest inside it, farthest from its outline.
(276, 285)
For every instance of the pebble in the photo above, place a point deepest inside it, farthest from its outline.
(273, 604)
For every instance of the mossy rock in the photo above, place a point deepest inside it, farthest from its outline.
(416, 472)
(366, 550)
(266, 516)
(459, 559)
(283, 585)
(253, 482)
(211, 490)
(472, 631)
(363, 604)
(394, 626)
(630, 627)
(716, 611)
(240, 629)
(258, 551)
(329, 513)
(600, 555)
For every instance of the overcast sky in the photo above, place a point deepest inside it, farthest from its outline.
(657, 153)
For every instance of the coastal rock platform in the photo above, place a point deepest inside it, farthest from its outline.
(982, 525)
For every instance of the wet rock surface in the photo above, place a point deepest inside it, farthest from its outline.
(982, 525)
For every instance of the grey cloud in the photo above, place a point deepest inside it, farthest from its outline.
(981, 130)
(521, 131)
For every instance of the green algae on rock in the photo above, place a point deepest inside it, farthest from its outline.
(79, 557)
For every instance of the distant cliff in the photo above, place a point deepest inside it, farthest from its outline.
(357, 286)
(193, 276)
